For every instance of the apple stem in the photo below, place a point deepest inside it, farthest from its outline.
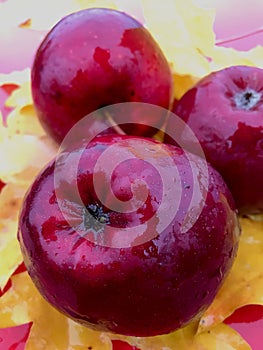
(113, 124)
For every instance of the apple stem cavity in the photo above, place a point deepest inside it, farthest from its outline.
(95, 218)
(247, 99)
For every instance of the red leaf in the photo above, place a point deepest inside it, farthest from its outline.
(14, 338)
(122, 345)
(248, 321)
(20, 268)
(246, 314)
(9, 88)
(2, 184)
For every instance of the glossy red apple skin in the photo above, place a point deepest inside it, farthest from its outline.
(94, 58)
(231, 135)
(142, 290)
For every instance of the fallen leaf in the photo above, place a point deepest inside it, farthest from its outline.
(20, 97)
(221, 337)
(244, 285)
(184, 30)
(20, 156)
(183, 83)
(96, 3)
(179, 31)
(10, 202)
(24, 121)
(14, 338)
(183, 339)
(22, 303)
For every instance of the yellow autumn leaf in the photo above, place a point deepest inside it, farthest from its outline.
(244, 285)
(9, 251)
(23, 140)
(24, 121)
(96, 3)
(223, 57)
(133, 8)
(183, 83)
(10, 202)
(183, 339)
(22, 303)
(184, 31)
(20, 97)
(221, 337)
(22, 156)
(81, 338)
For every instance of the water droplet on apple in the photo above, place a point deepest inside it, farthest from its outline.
(229, 143)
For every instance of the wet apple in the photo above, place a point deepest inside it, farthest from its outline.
(94, 58)
(115, 242)
(225, 111)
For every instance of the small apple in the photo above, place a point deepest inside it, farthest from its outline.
(94, 58)
(113, 243)
(225, 111)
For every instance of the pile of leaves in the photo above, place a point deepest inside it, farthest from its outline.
(185, 33)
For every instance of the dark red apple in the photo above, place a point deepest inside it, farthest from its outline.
(129, 235)
(225, 111)
(94, 58)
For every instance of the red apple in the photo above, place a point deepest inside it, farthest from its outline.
(225, 111)
(112, 239)
(94, 58)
